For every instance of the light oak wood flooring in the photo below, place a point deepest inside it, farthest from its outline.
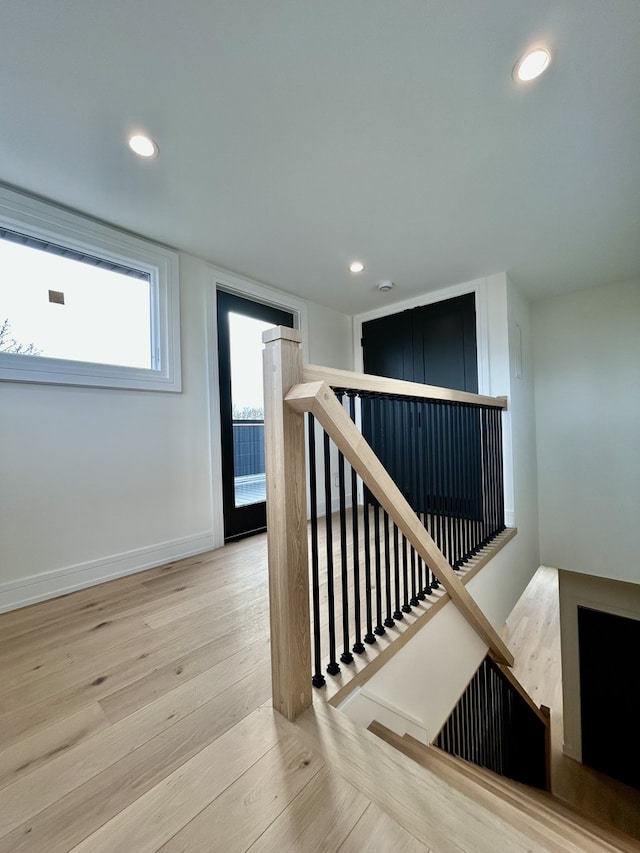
(533, 634)
(135, 716)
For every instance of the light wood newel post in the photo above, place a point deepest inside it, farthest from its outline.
(285, 466)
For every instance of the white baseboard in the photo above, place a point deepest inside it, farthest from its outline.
(29, 590)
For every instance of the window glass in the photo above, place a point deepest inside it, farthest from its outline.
(65, 308)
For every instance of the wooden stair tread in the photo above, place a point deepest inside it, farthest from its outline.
(546, 800)
(542, 813)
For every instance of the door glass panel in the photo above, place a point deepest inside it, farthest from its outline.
(247, 401)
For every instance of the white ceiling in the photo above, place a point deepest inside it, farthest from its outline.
(296, 135)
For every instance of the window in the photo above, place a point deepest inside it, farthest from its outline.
(84, 304)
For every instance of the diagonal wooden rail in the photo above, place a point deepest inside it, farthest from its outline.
(319, 399)
(287, 397)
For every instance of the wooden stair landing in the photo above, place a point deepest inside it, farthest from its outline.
(546, 819)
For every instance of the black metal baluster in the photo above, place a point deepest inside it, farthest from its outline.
(346, 656)
(358, 647)
(369, 637)
(379, 628)
(484, 698)
(430, 465)
(333, 667)
(406, 607)
(412, 463)
(456, 712)
(449, 481)
(318, 679)
(442, 491)
(419, 475)
(473, 698)
(376, 430)
(457, 462)
(492, 727)
(426, 467)
(414, 597)
(397, 614)
(493, 719)
(500, 464)
(472, 478)
(445, 480)
(480, 730)
(501, 726)
(388, 622)
(465, 723)
(402, 444)
(492, 469)
(439, 481)
(466, 485)
(454, 484)
(387, 425)
(510, 738)
(494, 501)
(485, 477)
(433, 477)
(494, 459)
(480, 724)
(458, 413)
(462, 413)
(498, 723)
(494, 474)
(477, 464)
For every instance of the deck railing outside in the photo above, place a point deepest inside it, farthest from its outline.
(248, 461)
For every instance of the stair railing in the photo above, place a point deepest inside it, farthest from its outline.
(496, 725)
(453, 493)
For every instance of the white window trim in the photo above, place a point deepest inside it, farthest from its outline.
(45, 221)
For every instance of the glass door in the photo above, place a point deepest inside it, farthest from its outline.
(241, 323)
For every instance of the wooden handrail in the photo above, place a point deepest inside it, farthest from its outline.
(519, 689)
(383, 385)
(319, 399)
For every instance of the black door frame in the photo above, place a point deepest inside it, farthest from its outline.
(245, 520)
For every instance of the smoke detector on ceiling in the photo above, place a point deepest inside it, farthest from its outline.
(385, 286)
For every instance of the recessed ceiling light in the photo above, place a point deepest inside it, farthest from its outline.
(356, 266)
(143, 145)
(531, 65)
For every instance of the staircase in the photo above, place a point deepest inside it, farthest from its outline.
(545, 819)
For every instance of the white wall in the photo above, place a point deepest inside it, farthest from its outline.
(331, 345)
(587, 387)
(95, 483)
(522, 435)
(330, 337)
(424, 680)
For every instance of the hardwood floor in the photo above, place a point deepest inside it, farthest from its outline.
(135, 716)
(533, 635)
